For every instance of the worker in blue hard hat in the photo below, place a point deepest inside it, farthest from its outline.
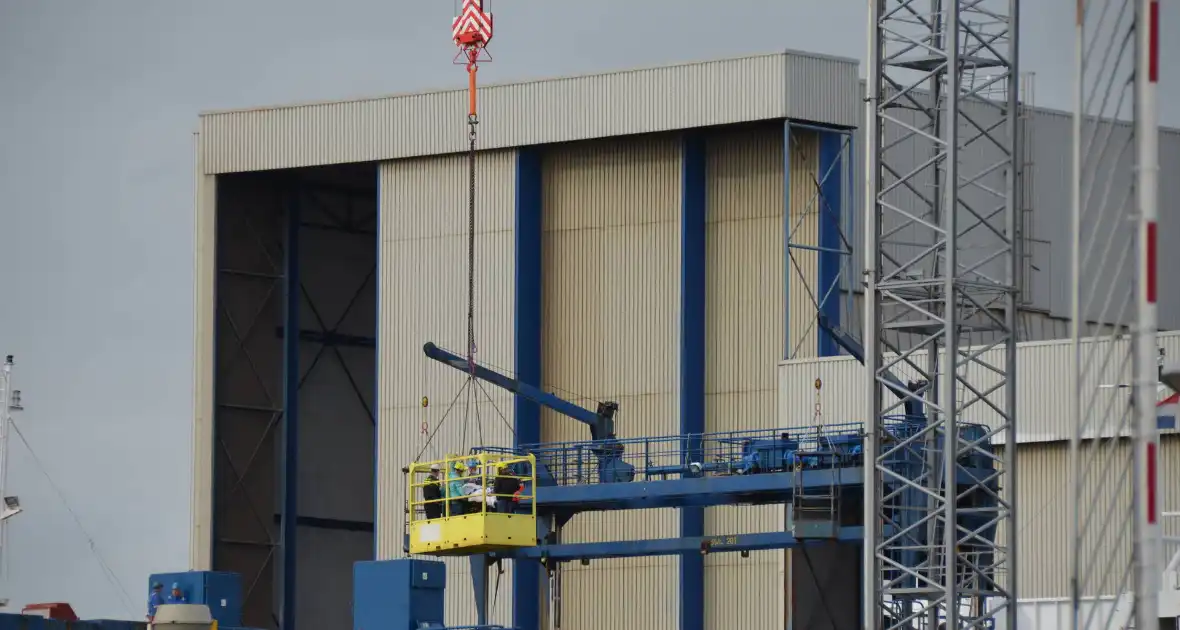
(177, 595)
(155, 599)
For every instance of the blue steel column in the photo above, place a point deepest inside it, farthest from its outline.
(292, 300)
(830, 207)
(787, 267)
(692, 363)
(526, 574)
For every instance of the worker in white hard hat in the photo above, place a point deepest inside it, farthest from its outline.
(432, 493)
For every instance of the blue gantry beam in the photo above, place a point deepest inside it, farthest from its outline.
(698, 546)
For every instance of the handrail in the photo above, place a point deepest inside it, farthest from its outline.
(479, 462)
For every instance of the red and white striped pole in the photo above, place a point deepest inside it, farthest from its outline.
(1148, 549)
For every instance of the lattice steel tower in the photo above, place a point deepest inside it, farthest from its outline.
(942, 249)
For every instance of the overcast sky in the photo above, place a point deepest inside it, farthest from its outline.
(97, 104)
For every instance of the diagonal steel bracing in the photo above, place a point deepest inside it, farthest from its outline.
(249, 401)
(1113, 516)
(941, 267)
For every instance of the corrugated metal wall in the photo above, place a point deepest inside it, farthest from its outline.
(746, 323)
(1043, 500)
(611, 303)
(818, 88)
(204, 369)
(423, 298)
(1042, 389)
(1046, 201)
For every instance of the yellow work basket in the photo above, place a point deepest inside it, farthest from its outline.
(466, 520)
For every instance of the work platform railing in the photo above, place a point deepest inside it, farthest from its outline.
(468, 515)
(718, 454)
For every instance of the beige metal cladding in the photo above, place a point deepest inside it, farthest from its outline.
(204, 341)
(1042, 386)
(424, 230)
(752, 322)
(792, 85)
(611, 260)
(745, 320)
(1043, 513)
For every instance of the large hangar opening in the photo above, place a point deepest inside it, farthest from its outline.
(295, 413)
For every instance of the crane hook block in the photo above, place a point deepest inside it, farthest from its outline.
(473, 26)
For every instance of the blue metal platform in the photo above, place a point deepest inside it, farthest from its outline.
(816, 473)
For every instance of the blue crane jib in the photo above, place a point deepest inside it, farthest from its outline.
(605, 446)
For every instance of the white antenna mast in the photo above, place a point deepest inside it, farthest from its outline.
(9, 402)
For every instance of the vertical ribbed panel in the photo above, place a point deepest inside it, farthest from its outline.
(611, 293)
(204, 341)
(803, 226)
(836, 100)
(794, 85)
(424, 298)
(1043, 501)
(1042, 392)
(745, 331)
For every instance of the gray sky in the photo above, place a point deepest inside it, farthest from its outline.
(97, 105)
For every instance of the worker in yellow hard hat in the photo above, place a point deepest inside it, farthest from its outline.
(455, 495)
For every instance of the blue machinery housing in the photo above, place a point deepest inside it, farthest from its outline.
(813, 471)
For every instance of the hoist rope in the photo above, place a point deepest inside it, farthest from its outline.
(441, 420)
(471, 408)
(503, 418)
(472, 121)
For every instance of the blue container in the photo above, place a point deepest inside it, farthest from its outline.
(220, 591)
(398, 594)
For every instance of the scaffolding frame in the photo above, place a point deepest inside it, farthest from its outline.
(261, 295)
(942, 262)
(829, 287)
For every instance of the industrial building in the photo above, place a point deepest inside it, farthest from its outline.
(651, 237)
